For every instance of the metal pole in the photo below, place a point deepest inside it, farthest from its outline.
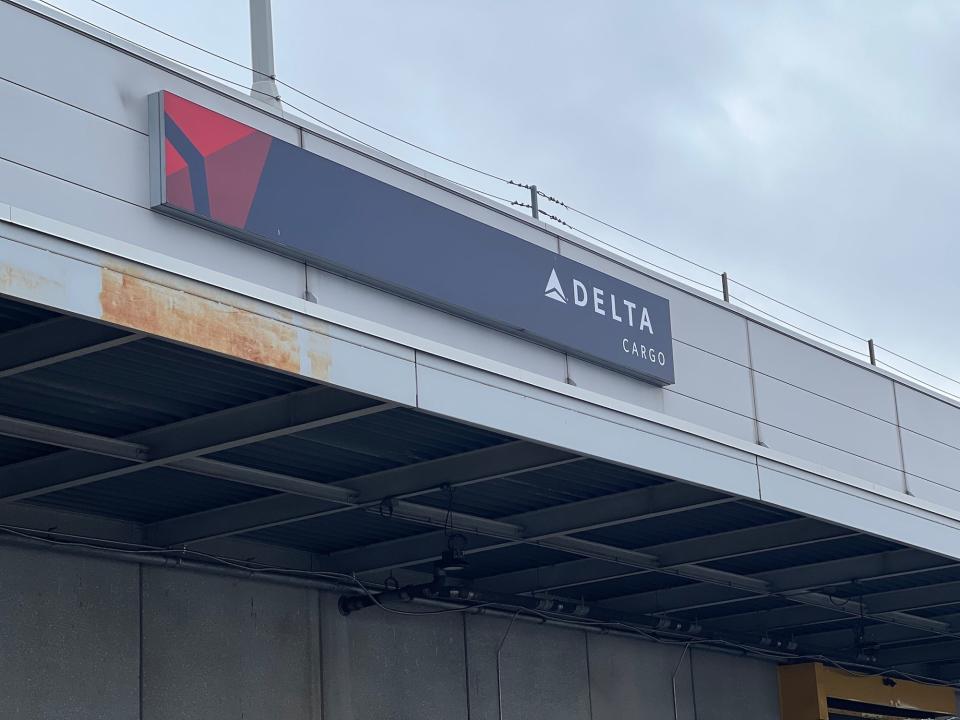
(873, 352)
(534, 206)
(726, 287)
(261, 53)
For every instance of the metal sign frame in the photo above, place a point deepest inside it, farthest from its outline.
(231, 178)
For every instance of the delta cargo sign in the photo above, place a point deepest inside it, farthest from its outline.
(227, 176)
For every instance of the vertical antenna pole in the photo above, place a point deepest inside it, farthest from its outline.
(873, 352)
(534, 206)
(261, 52)
(726, 287)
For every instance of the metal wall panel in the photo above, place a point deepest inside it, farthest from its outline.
(710, 354)
(794, 362)
(97, 78)
(68, 203)
(107, 90)
(600, 380)
(825, 409)
(711, 392)
(716, 395)
(931, 469)
(80, 114)
(695, 320)
(857, 508)
(931, 446)
(480, 398)
(926, 415)
(163, 304)
(809, 427)
(60, 140)
(367, 302)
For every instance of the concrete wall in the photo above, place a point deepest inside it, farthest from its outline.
(94, 639)
(73, 147)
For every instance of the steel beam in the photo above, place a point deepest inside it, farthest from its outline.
(549, 527)
(948, 670)
(896, 604)
(836, 609)
(539, 526)
(181, 445)
(930, 652)
(510, 531)
(605, 511)
(252, 515)
(52, 341)
(73, 439)
(475, 466)
(789, 581)
(915, 598)
(873, 634)
(211, 433)
(262, 478)
(718, 546)
(856, 609)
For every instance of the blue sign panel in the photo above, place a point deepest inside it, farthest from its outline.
(226, 175)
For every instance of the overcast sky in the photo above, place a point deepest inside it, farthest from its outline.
(810, 149)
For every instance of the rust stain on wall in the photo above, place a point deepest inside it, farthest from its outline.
(14, 278)
(183, 317)
(189, 285)
(320, 362)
